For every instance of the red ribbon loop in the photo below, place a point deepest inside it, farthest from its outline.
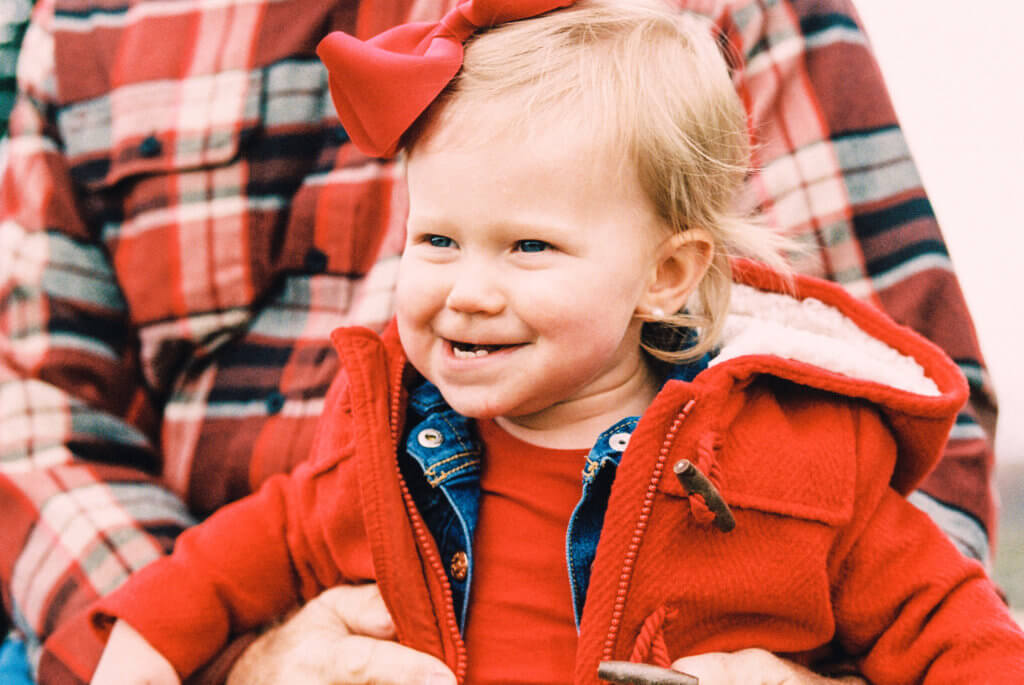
(382, 85)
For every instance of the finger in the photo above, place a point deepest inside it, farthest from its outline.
(751, 667)
(712, 667)
(745, 667)
(364, 661)
(360, 609)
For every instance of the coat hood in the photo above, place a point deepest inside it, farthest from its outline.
(813, 333)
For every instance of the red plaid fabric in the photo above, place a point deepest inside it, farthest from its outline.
(182, 222)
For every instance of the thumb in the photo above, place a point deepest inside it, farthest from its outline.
(379, 662)
(752, 666)
(712, 668)
(360, 609)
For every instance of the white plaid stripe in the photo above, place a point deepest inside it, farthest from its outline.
(834, 35)
(195, 208)
(76, 522)
(969, 537)
(907, 269)
(36, 422)
(35, 61)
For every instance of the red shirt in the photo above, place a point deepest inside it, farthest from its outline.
(520, 627)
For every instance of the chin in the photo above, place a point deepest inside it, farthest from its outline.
(473, 408)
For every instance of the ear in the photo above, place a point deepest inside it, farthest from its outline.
(680, 263)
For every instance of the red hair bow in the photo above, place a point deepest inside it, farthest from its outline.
(382, 85)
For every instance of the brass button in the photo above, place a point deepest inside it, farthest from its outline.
(459, 566)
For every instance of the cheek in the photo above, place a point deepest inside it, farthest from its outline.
(415, 291)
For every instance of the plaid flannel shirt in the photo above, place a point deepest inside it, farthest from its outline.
(182, 223)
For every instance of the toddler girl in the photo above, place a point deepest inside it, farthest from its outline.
(568, 303)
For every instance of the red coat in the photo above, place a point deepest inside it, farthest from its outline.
(812, 462)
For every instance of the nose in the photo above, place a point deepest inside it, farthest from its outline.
(476, 289)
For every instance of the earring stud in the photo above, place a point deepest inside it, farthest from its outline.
(657, 312)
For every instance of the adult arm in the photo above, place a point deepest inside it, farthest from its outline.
(836, 174)
(174, 269)
(82, 509)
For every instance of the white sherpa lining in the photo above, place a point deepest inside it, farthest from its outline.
(813, 332)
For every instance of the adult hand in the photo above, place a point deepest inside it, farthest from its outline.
(754, 667)
(344, 636)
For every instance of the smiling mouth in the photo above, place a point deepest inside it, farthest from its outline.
(463, 350)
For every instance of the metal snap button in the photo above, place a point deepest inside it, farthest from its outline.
(315, 260)
(430, 437)
(618, 441)
(150, 147)
(274, 402)
(459, 566)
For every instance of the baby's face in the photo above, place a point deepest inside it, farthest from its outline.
(523, 270)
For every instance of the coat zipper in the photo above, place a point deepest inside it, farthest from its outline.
(638, 533)
(423, 537)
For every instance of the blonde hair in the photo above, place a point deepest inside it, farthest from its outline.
(650, 81)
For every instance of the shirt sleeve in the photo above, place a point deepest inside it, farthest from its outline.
(835, 173)
(246, 565)
(908, 606)
(82, 510)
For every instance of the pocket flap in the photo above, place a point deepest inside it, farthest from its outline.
(793, 456)
(160, 126)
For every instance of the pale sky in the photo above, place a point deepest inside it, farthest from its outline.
(956, 75)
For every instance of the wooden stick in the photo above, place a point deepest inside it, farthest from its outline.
(696, 483)
(642, 674)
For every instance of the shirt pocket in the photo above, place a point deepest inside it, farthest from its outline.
(160, 126)
(769, 581)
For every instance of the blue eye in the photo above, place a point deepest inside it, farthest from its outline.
(439, 241)
(532, 245)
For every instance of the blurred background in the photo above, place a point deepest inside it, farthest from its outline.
(956, 77)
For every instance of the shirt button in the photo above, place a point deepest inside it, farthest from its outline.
(274, 402)
(430, 437)
(459, 566)
(150, 147)
(618, 441)
(316, 260)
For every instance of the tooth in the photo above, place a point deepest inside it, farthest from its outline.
(481, 353)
